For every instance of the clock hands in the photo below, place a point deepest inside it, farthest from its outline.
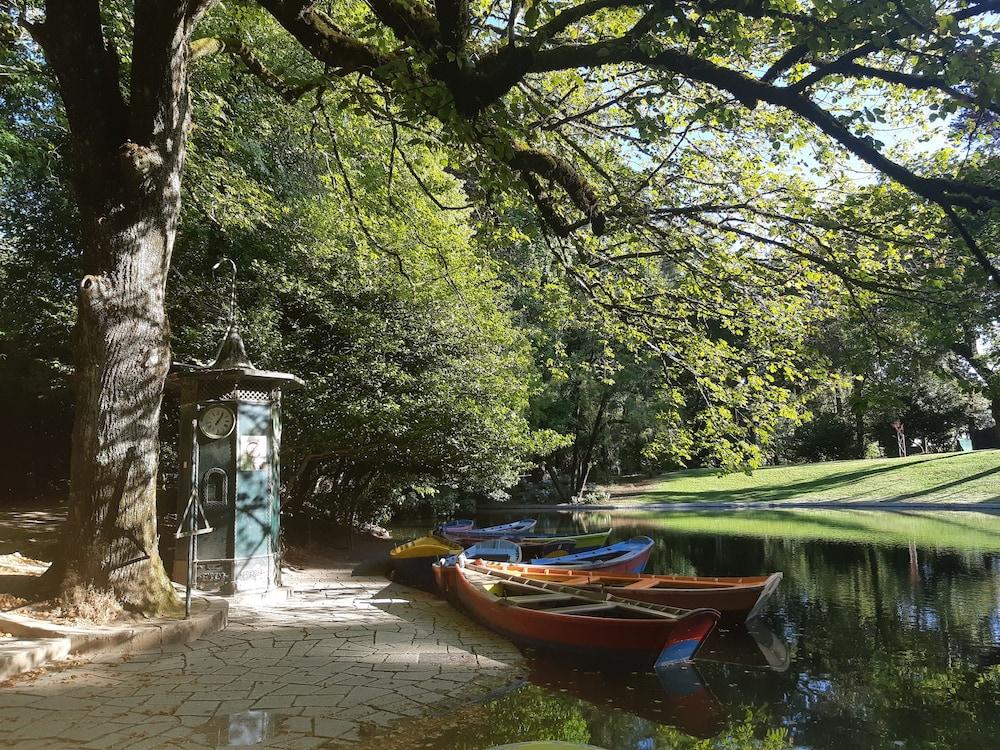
(217, 421)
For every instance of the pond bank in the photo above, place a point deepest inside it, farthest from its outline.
(975, 529)
(734, 505)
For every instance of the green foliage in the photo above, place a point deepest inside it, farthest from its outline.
(350, 276)
(38, 241)
(417, 379)
(917, 341)
(452, 318)
(873, 450)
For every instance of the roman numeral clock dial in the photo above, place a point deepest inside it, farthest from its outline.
(217, 422)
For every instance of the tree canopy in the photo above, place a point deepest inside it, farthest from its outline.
(460, 217)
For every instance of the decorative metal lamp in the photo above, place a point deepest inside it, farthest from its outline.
(229, 445)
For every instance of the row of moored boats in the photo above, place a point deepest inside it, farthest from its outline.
(576, 593)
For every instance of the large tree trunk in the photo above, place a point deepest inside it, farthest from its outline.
(122, 356)
(995, 411)
(129, 158)
(581, 471)
(859, 431)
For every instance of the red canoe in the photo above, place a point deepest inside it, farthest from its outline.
(736, 598)
(561, 618)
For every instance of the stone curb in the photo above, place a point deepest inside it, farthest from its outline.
(40, 642)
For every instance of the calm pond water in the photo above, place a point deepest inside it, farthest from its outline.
(885, 633)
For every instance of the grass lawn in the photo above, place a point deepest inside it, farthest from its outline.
(962, 530)
(937, 478)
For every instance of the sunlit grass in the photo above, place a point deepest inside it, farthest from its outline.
(937, 478)
(961, 530)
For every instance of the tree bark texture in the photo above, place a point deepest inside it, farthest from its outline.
(995, 412)
(129, 157)
(122, 356)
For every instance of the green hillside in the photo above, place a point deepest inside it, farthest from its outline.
(970, 531)
(937, 478)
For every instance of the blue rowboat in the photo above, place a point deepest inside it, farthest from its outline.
(629, 556)
(455, 525)
(494, 550)
(471, 535)
(545, 545)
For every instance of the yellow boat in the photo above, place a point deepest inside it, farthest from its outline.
(411, 562)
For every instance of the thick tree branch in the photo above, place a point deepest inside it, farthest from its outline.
(825, 69)
(750, 91)
(322, 38)
(411, 21)
(87, 69)
(453, 21)
(550, 167)
(290, 91)
(497, 72)
(992, 272)
(792, 57)
(566, 18)
(966, 351)
(910, 80)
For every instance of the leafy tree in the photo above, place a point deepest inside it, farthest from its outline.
(647, 123)
(37, 238)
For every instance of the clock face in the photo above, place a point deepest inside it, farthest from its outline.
(217, 421)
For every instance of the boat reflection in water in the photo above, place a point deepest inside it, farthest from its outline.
(753, 645)
(679, 696)
(676, 696)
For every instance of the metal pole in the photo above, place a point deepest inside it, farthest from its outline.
(190, 575)
(192, 517)
(232, 293)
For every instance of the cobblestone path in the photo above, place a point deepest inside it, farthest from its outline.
(339, 661)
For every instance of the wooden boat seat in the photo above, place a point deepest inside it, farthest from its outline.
(523, 599)
(643, 583)
(579, 609)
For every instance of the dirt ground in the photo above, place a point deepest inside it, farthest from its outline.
(28, 539)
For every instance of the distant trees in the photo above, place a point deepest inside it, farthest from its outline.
(916, 338)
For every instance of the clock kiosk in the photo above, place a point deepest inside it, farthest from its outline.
(230, 436)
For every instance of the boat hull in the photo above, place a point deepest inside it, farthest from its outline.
(631, 558)
(741, 603)
(503, 531)
(620, 641)
(541, 544)
(736, 598)
(411, 563)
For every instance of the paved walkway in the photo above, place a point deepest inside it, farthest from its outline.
(342, 660)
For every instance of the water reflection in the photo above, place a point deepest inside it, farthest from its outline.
(677, 696)
(886, 634)
(680, 697)
(243, 729)
(752, 644)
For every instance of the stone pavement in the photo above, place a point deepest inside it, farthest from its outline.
(342, 660)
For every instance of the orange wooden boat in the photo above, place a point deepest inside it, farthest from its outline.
(736, 598)
(588, 625)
